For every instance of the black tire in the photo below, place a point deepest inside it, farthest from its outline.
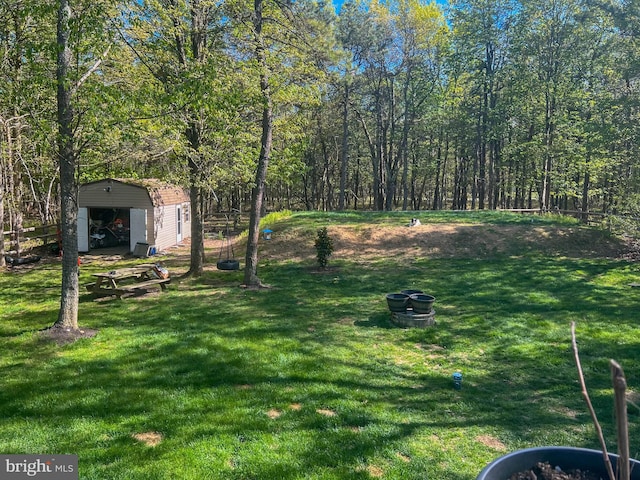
(228, 265)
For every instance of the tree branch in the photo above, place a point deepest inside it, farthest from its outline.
(88, 73)
(585, 394)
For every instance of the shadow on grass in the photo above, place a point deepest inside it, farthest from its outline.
(376, 321)
(311, 376)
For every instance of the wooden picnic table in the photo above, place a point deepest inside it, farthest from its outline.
(125, 280)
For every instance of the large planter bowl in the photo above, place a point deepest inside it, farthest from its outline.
(567, 458)
(398, 302)
(411, 292)
(422, 303)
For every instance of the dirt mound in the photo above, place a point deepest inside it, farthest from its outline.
(363, 243)
(448, 241)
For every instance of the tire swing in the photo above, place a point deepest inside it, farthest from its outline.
(229, 263)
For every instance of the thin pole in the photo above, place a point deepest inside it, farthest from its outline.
(585, 394)
(619, 390)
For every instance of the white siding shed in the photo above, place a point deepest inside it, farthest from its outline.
(124, 212)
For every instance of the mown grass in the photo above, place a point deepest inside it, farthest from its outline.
(309, 379)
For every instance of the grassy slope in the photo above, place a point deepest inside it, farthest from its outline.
(309, 379)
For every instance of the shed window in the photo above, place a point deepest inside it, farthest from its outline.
(185, 209)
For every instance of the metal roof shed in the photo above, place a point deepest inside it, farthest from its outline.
(119, 212)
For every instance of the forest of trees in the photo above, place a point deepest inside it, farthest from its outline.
(396, 104)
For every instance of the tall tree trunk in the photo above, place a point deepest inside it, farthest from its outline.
(344, 156)
(257, 193)
(196, 267)
(476, 161)
(436, 205)
(547, 165)
(482, 148)
(404, 143)
(194, 134)
(14, 184)
(68, 315)
(2, 221)
(323, 181)
(443, 176)
(379, 160)
(494, 150)
(496, 182)
(375, 162)
(585, 190)
(391, 161)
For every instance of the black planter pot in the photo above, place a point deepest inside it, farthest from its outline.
(411, 292)
(422, 303)
(397, 302)
(567, 458)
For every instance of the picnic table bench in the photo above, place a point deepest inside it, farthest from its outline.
(126, 280)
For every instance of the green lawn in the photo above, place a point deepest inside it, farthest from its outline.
(309, 379)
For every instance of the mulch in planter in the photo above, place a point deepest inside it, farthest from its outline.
(545, 471)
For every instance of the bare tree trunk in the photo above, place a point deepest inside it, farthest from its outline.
(344, 157)
(197, 258)
(403, 153)
(436, 205)
(194, 133)
(199, 34)
(375, 162)
(482, 149)
(585, 190)
(2, 222)
(12, 128)
(68, 315)
(197, 231)
(545, 196)
(257, 193)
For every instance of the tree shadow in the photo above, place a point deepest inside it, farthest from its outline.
(376, 321)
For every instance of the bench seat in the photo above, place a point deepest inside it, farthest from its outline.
(123, 289)
(162, 282)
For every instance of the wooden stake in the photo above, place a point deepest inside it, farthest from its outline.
(585, 394)
(619, 389)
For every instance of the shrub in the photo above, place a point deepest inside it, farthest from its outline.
(324, 247)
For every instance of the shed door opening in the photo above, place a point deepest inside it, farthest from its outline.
(109, 227)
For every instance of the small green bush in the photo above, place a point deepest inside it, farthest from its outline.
(324, 247)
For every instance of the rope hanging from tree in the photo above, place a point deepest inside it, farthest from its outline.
(230, 263)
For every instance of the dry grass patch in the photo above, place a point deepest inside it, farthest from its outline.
(403, 457)
(150, 439)
(345, 321)
(326, 412)
(375, 471)
(491, 442)
(273, 414)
